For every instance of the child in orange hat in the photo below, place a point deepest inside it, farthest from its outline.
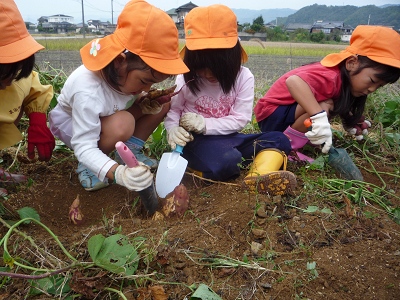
(96, 107)
(21, 91)
(216, 103)
(338, 85)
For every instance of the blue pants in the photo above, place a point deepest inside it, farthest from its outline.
(218, 156)
(280, 119)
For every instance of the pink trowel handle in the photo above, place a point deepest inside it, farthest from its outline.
(126, 154)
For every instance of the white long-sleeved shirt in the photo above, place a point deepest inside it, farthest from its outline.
(223, 113)
(86, 97)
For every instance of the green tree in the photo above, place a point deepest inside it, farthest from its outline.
(277, 34)
(317, 37)
(259, 20)
(258, 24)
(335, 35)
(300, 35)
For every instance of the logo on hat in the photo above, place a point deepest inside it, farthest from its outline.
(95, 47)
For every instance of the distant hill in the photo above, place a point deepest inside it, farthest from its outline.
(387, 15)
(248, 15)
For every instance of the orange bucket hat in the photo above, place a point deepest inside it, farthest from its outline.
(143, 30)
(381, 44)
(16, 43)
(211, 27)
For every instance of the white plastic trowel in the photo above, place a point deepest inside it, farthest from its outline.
(170, 171)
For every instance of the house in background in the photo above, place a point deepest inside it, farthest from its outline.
(292, 27)
(346, 33)
(99, 26)
(330, 27)
(56, 23)
(179, 14)
(173, 14)
(60, 19)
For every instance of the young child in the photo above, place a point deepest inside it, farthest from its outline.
(96, 106)
(216, 103)
(338, 85)
(21, 91)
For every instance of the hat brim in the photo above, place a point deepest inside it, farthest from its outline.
(334, 59)
(170, 66)
(211, 43)
(19, 50)
(244, 54)
(110, 48)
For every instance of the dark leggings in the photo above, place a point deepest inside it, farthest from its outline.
(218, 156)
(280, 119)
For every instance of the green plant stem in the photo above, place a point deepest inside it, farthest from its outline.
(329, 183)
(35, 277)
(120, 294)
(13, 227)
(372, 166)
(223, 262)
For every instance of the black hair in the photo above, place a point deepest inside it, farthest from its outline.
(17, 70)
(223, 63)
(134, 63)
(351, 108)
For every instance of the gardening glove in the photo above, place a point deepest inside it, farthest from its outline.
(193, 122)
(39, 136)
(178, 136)
(360, 129)
(135, 178)
(320, 132)
(150, 107)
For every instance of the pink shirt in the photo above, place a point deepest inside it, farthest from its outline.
(223, 113)
(324, 82)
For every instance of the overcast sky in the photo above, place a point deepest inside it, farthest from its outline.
(32, 10)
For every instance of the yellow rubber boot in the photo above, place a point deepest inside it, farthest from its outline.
(266, 177)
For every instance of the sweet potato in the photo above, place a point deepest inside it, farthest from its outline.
(161, 96)
(176, 203)
(75, 214)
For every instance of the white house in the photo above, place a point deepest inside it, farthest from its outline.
(60, 19)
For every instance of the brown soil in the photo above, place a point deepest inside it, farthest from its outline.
(272, 237)
(356, 257)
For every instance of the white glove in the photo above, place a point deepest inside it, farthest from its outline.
(321, 132)
(178, 136)
(150, 107)
(134, 179)
(193, 122)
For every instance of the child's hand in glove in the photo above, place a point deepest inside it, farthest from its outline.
(150, 107)
(40, 137)
(135, 178)
(193, 122)
(321, 132)
(360, 129)
(178, 136)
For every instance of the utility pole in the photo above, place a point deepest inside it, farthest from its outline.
(83, 21)
(112, 13)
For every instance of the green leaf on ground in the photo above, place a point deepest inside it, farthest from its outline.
(28, 212)
(114, 253)
(203, 292)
